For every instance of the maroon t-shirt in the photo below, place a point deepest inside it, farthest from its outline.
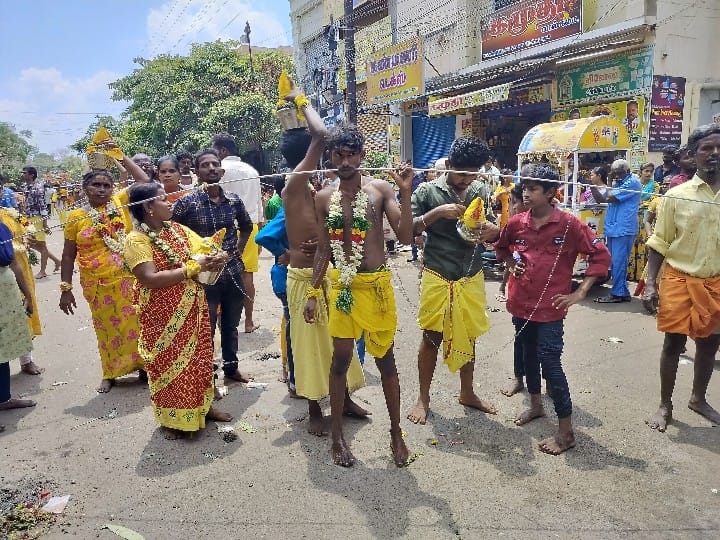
(539, 248)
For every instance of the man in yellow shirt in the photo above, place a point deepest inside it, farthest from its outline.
(686, 237)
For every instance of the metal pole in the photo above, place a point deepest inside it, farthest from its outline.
(247, 37)
(350, 61)
(333, 45)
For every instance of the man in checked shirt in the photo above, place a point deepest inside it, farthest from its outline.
(37, 212)
(206, 212)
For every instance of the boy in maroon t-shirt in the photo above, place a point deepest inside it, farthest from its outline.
(540, 247)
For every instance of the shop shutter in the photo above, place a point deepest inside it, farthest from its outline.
(431, 138)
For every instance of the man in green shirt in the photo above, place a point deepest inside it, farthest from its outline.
(273, 206)
(452, 287)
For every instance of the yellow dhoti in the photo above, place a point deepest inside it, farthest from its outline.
(312, 346)
(457, 309)
(373, 311)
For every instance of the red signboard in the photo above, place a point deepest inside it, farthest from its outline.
(529, 23)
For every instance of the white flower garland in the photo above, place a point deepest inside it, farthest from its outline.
(112, 215)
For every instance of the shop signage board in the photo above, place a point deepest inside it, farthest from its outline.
(419, 105)
(593, 134)
(368, 40)
(631, 113)
(395, 73)
(478, 98)
(529, 23)
(624, 75)
(666, 112)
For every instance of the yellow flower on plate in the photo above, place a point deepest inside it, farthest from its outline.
(96, 147)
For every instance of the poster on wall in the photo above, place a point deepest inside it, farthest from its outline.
(529, 23)
(666, 112)
(632, 113)
(395, 73)
(620, 76)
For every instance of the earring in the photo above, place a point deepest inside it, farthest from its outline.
(151, 212)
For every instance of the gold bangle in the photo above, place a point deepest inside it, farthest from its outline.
(65, 286)
(192, 268)
(312, 292)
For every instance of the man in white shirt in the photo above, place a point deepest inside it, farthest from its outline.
(242, 179)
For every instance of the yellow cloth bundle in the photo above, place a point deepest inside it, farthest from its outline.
(474, 214)
(96, 146)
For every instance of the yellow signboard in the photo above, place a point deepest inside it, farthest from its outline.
(594, 134)
(494, 94)
(395, 73)
(368, 41)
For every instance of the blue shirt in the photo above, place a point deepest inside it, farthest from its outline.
(7, 254)
(621, 217)
(273, 237)
(8, 198)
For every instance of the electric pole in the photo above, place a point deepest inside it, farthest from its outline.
(247, 38)
(349, 28)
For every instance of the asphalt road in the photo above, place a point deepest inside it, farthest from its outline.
(475, 476)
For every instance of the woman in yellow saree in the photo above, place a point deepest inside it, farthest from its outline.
(94, 237)
(17, 223)
(175, 340)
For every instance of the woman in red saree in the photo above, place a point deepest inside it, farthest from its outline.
(175, 340)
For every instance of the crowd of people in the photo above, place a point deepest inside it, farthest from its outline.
(169, 260)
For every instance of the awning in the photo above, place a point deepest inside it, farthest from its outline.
(594, 134)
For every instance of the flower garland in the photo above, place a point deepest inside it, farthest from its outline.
(347, 265)
(21, 219)
(110, 225)
(173, 258)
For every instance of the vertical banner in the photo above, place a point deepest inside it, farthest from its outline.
(666, 112)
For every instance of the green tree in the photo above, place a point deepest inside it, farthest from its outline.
(14, 150)
(178, 102)
(376, 158)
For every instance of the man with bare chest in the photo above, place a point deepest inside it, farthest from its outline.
(350, 217)
(311, 344)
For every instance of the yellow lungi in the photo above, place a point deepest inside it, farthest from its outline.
(251, 253)
(373, 311)
(312, 345)
(40, 234)
(457, 309)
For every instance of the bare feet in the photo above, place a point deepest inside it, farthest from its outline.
(250, 327)
(399, 450)
(31, 368)
(353, 410)
(105, 386)
(293, 393)
(513, 387)
(661, 418)
(558, 443)
(528, 415)
(14, 403)
(703, 408)
(218, 416)
(217, 394)
(57, 268)
(172, 434)
(317, 426)
(341, 453)
(239, 377)
(419, 413)
(476, 403)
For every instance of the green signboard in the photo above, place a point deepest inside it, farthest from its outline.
(624, 75)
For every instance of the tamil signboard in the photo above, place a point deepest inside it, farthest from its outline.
(529, 23)
(666, 112)
(471, 100)
(395, 73)
(621, 76)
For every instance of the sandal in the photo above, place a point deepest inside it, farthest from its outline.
(612, 299)
(500, 297)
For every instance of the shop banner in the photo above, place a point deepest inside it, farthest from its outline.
(666, 112)
(529, 23)
(470, 100)
(624, 75)
(369, 40)
(411, 106)
(631, 113)
(395, 73)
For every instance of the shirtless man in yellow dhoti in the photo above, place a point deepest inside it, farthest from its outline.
(361, 299)
(452, 287)
(311, 344)
(686, 238)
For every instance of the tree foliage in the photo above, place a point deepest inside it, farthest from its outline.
(179, 102)
(14, 150)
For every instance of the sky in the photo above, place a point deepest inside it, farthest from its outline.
(59, 57)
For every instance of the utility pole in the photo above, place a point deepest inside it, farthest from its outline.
(333, 45)
(247, 38)
(349, 28)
